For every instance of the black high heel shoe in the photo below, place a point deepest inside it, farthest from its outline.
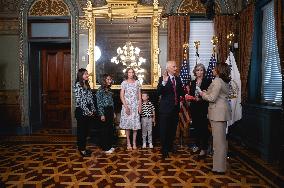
(218, 173)
(165, 155)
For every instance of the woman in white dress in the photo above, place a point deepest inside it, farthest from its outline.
(130, 95)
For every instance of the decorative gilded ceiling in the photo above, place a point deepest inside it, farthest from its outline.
(10, 8)
(191, 6)
(49, 8)
(195, 7)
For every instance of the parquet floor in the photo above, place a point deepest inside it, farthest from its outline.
(58, 164)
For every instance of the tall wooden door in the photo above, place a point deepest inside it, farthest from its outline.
(56, 88)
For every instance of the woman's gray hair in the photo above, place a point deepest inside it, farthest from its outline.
(197, 66)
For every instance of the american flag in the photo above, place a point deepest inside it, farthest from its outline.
(185, 79)
(211, 66)
(184, 73)
(184, 119)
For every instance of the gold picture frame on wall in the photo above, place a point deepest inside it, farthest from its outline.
(127, 9)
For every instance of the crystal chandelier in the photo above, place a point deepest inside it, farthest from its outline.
(129, 57)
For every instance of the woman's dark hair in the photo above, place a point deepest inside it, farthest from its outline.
(126, 74)
(224, 71)
(197, 66)
(80, 79)
(103, 81)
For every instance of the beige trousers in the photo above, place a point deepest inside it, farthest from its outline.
(220, 145)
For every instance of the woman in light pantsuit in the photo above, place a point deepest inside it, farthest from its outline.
(219, 112)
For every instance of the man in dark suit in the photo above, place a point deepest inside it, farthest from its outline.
(170, 89)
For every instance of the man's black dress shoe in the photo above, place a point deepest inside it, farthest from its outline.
(165, 155)
(174, 150)
(201, 157)
(89, 152)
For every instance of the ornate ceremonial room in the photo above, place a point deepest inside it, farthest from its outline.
(124, 93)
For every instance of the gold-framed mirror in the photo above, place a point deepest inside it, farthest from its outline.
(126, 35)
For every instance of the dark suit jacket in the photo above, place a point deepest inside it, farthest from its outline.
(167, 101)
(199, 108)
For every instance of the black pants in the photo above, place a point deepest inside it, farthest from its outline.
(83, 124)
(168, 127)
(200, 123)
(106, 130)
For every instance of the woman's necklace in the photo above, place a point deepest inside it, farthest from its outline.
(198, 81)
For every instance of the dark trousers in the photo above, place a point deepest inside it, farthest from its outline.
(83, 124)
(106, 130)
(200, 123)
(168, 127)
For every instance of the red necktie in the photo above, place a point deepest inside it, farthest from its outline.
(175, 90)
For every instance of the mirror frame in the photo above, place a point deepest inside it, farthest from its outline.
(119, 9)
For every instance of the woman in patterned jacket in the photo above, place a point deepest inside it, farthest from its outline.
(85, 109)
(106, 113)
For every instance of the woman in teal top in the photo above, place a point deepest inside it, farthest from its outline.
(106, 113)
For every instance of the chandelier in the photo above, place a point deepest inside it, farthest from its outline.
(129, 56)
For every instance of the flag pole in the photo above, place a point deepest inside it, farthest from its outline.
(196, 45)
(214, 42)
(185, 78)
(230, 38)
(185, 55)
(185, 51)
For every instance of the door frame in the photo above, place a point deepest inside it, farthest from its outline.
(35, 57)
(24, 96)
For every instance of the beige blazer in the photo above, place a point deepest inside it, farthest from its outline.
(217, 94)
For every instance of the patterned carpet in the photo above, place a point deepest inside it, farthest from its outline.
(24, 164)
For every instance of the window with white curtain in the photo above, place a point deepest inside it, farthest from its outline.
(202, 31)
(271, 72)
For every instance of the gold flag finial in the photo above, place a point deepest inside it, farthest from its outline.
(214, 42)
(185, 45)
(230, 38)
(185, 51)
(196, 44)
